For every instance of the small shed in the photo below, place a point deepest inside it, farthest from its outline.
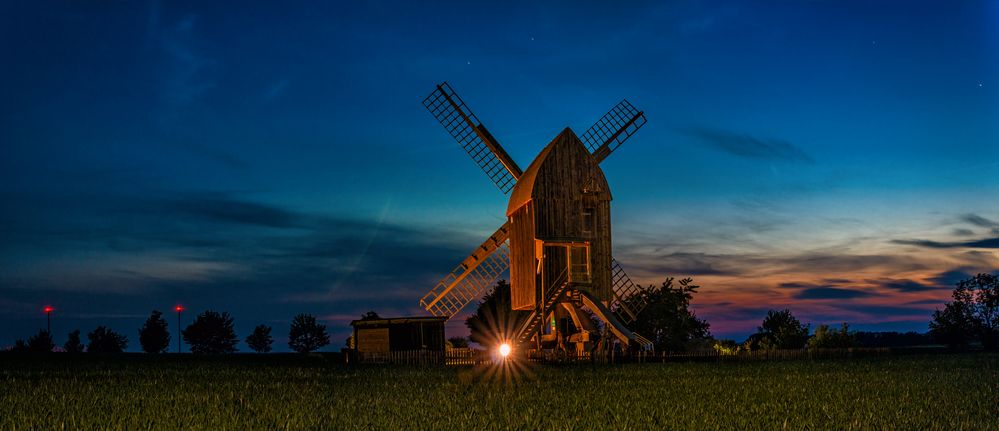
(398, 334)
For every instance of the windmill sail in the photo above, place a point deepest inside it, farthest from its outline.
(611, 130)
(471, 277)
(459, 121)
(627, 301)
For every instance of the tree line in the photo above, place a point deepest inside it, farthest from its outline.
(970, 319)
(211, 332)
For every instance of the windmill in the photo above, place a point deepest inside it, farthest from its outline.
(557, 238)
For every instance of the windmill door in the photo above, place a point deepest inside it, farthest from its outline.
(566, 262)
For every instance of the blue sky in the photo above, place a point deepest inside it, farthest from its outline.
(837, 158)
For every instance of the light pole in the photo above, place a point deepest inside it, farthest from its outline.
(48, 318)
(179, 308)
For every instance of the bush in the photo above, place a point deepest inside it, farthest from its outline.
(104, 340)
(457, 342)
(826, 338)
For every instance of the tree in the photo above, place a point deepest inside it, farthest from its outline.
(827, 338)
(153, 336)
(41, 342)
(306, 334)
(19, 346)
(780, 330)
(667, 319)
(494, 321)
(104, 340)
(73, 344)
(211, 332)
(371, 315)
(260, 340)
(973, 315)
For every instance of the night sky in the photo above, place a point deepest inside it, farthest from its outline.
(837, 158)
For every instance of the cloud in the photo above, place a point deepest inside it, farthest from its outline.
(981, 243)
(889, 310)
(221, 207)
(843, 263)
(748, 146)
(951, 277)
(687, 264)
(119, 256)
(905, 285)
(978, 220)
(924, 243)
(830, 293)
(962, 232)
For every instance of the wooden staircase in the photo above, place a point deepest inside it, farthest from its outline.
(529, 328)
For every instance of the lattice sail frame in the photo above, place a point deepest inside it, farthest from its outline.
(611, 130)
(624, 289)
(459, 121)
(471, 277)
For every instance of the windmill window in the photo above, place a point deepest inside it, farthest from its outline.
(589, 221)
(579, 264)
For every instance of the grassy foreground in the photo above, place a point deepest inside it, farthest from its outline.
(287, 392)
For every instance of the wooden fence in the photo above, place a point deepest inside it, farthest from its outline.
(764, 355)
(460, 356)
(471, 357)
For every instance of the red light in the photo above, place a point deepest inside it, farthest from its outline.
(178, 308)
(48, 309)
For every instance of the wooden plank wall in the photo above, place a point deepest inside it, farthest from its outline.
(559, 201)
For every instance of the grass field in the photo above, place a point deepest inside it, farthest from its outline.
(288, 392)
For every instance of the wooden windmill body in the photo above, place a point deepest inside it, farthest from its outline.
(556, 242)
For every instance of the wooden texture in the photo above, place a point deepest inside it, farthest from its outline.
(373, 339)
(548, 205)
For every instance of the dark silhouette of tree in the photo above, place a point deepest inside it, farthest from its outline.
(891, 339)
(73, 344)
(154, 336)
(828, 338)
(104, 340)
(211, 332)
(19, 347)
(41, 342)
(371, 315)
(494, 322)
(973, 315)
(260, 339)
(667, 319)
(306, 334)
(780, 330)
(458, 342)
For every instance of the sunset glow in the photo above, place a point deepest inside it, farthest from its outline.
(837, 159)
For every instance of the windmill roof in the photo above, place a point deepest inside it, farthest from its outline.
(523, 191)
